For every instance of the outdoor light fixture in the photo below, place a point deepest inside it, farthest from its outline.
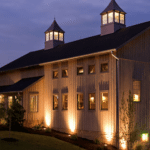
(145, 137)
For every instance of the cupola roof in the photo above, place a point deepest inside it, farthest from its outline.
(54, 27)
(113, 6)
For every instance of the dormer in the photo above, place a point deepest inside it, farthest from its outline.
(112, 18)
(54, 36)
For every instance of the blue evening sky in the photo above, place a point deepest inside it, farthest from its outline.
(23, 22)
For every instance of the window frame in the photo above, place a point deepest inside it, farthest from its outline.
(89, 68)
(77, 101)
(62, 100)
(111, 18)
(78, 70)
(47, 36)
(62, 73)
(53, 74)
(104, 91)
(123, 18)
(134, 80)
(89, 101)
(105, 15)
(101, 67)
(37, 96)
(60, 36)
(56, 32)
(57, 101)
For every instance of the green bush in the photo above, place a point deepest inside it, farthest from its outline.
(37, 127)
(48, 130)
(74, 137)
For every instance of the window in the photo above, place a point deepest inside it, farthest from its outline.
(1, 99)
(33, 102)
(91, 69)
(65, 73)
(122, 18)
(80, 70)
(65, 101)
(61, 37)
(47, 36)
(55, 74)
(55, 35)
(55, 102)
(104, 67)
(51, 35)
(92, 101)
(104, 19)
(10, 100)
(110, 17)
(80, 104)
(116, 17)
(136, 91)
(104, 101)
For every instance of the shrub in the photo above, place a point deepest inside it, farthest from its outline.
(97, 141)
(74, 137)
(37, 127)
(48, 130)
(138, 145)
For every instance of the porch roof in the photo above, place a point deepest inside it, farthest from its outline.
(20, 85)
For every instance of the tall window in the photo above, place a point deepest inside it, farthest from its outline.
(110, 17)
(51, 35)
(92, 101)
(34, 102)
(104, 19)
(80, 70)
(116, 17)
(80, 104)
(47, 36)
(55, 102)
(65, 101)
(91, 69)
(55, 35)
(136, 91)
(1, 99)
(61, 37)
(65, 73)
(104, 101)
(55, 74)
(122, 18)
(10, 101)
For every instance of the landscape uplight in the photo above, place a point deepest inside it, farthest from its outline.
(145, 137)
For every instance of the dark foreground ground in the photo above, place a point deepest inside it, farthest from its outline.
(81, 142)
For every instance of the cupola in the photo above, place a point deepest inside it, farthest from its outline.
(112, 18)
(54, 36)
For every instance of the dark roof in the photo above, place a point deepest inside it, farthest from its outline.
(112, 6)
(54, 27)
(78, 48)
(20, 85)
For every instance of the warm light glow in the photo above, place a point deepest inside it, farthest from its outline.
(72, 125)
(123, 143)
(92, 99)
(103, 98)
(47, 119)
(60, 36)
(116, 17)
(47, 36)
(51, 35)
(55, 35)
(104, 19)
(135, 97)
(122, 18)
(109, 132)
(110, 17)
(10, 101)
(145, 137)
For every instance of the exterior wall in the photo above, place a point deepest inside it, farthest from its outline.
(87, 123)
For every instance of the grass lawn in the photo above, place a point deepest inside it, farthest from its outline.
(34, 142)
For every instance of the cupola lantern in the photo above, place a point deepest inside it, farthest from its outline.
(54, 36)
(112, 18)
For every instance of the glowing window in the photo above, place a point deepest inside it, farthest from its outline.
(116, 17)
(55, 74)
(65, 101)
(110, 17)
(55, 102)
(104, 67)
(51, 35)
(10, 100)
(104, 19)
(122, 18)
(145, 137)
(80, 70)
(92, 101)
(136, 91)
(91, 69)
(1, 99)
(61, 37)
(104, 101)
(55, 35)
(65, 73)
(47, 36)
(80, 101)
(34, 102)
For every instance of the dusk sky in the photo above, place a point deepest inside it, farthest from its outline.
(23, 22)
